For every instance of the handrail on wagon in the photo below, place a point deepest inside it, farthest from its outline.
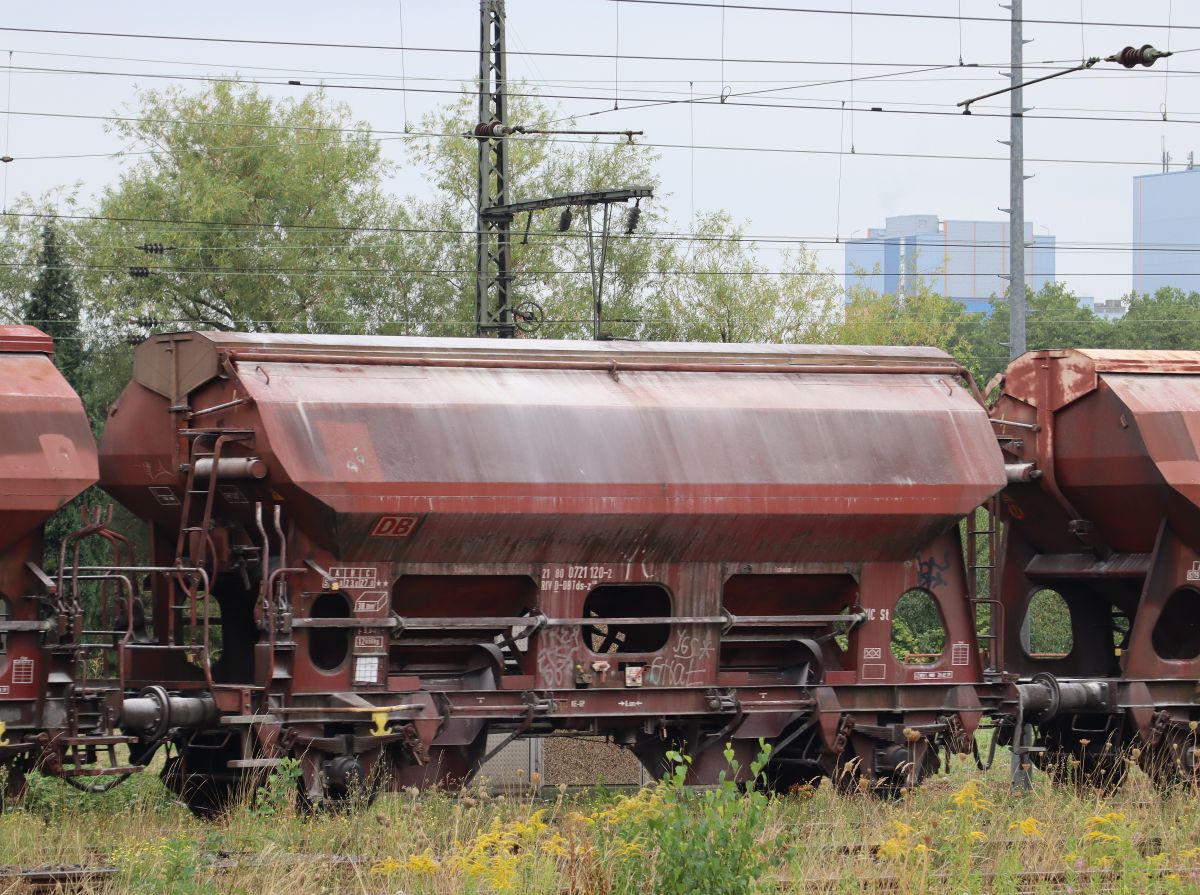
(520, 621)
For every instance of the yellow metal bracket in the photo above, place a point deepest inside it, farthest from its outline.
(381, 724)
(3, 728)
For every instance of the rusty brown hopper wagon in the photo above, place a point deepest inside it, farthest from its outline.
(400, 544)
(47, 457)
(1104, 531)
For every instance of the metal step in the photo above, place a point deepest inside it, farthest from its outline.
(98, 741)
(249, 719)
(103, 772)
(254, 763)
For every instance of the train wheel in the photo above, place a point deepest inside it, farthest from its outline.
(790, 776)
(337, 784)
(199, 776)
(1175, 762)
(883, 769)
(800, 765)
(1089, 764)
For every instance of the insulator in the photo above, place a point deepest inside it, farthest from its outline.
(564, 220)
(1143, 55)
(153, 248)
(139, 272)
(631, 220)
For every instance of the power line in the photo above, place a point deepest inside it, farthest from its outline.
(790, 150)
(291, 82)
(386, 272)
(945, 17)
(191, 38)
(1053, 64)
(683, 236)
(777, 243)
(645, 102)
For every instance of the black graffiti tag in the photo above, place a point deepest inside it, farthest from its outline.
(929, 572)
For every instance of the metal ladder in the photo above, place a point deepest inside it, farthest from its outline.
(984, 540)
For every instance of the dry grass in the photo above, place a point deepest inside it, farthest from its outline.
(965, 833)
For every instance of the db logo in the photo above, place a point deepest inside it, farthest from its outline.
(1194, 572)
(394, 526)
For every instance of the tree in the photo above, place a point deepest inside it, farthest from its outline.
(1054, 319)
(54, 308)
(549, 267)
(304, 237)
(657, 286)
(717, 290)
(922, 316)
(1168, 319)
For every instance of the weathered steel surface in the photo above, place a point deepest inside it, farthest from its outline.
(659, 542)
(47, 457)
(1111, 522)
(548, 460)
(47, 454)
(1117, 444)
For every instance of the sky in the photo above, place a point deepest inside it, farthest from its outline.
(801, 78)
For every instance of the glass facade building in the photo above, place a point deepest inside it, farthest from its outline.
(1166, 231)
(964, 260)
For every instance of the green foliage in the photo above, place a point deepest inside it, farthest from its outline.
(713, 289)
(720, 292)
(52, 800)
(170, 865)
(917, 627)
(708, 840)
(1049, 624)
(1054, 319)
(260, 166)
(54, 308)
(922, 316)
(1168, 319)
(277, 797)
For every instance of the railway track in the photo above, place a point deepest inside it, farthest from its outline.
(69, 878)
(1025, 882)
(53, 878)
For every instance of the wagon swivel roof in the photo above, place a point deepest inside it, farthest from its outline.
(21, 339)
(1076, 372)
(173, 364)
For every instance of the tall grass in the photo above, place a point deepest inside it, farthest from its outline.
(965, 832)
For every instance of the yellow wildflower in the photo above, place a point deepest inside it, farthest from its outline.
(1029, 827)
(892, 849)
(423, 863)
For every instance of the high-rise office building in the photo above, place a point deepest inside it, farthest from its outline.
(1166, 231)
(964, 260)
